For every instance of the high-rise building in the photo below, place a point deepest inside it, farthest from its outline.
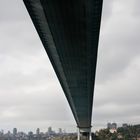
(125, 125)
(50, 130)
(109, 125)
(14, 131)
(37, 131)
(60, 130)
(30, 135)
(112, 126)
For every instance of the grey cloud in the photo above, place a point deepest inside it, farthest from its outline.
(118, 99)
(107, 10)
(30, 94)
(119, 44)
(117, 87)
(12, 11)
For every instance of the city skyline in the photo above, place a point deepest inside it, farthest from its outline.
(38, 135)
(30, 94)
(48, 130)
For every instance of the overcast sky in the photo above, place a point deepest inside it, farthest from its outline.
(30, 94)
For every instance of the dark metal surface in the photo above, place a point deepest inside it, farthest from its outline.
(69, 31)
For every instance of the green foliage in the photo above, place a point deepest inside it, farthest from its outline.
(128, 133)
(104, 134)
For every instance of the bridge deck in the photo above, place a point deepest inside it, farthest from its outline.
(69, 31)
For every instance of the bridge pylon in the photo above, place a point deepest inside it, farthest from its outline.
(84, 133)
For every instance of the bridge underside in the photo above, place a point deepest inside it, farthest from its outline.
(69, 31)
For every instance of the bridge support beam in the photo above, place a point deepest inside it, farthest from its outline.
(84, 133)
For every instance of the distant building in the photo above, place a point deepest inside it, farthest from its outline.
(125, 125)
(14, 131)
(30, 135)
(64, 131)
(112, 126)
(8, 133)
(50, 129)
(60, 131)
(1, 133)
(109, 125)
(37, 131)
